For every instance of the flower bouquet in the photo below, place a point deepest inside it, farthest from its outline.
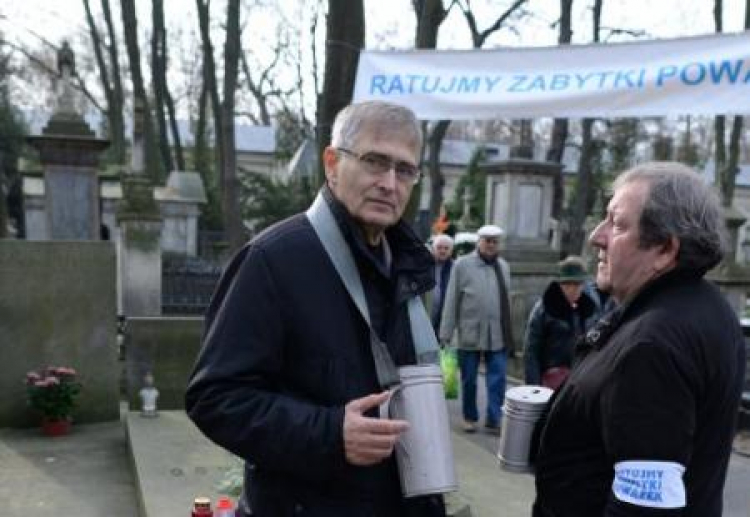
(52, 391)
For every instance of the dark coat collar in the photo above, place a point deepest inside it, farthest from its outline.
(599, 334)
(557, 306)
(412, 262)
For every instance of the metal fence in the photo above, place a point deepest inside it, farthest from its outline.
(187, 284)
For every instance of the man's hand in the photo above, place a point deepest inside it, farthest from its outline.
(369, 440)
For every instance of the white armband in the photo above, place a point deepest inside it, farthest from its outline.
(654, 484)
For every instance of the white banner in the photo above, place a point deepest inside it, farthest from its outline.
(687, 76)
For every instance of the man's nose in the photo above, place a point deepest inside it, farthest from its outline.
(597, 235)
(389, 179)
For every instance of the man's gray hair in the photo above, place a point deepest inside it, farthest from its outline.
(680, 204)
(378, 117)
(442, 238)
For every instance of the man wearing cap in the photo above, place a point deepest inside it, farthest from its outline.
(477, 307)
(565, 312)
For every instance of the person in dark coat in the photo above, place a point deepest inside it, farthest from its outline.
(563, 314)
(442, 251)
(645, 422)
(286, 378)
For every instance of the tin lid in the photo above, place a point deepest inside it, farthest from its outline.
(528, 397)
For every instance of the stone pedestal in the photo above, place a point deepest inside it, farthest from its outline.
(140, 249)
(519, 200)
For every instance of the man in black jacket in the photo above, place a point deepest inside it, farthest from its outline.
(286, 377)
(442, 251)
(644, 424)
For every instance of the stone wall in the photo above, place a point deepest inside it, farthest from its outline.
(57, 307)
(166, 347)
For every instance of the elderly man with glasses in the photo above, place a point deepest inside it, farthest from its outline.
(477, 306)
(290, 374)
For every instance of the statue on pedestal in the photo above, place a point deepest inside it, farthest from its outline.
(149, 394)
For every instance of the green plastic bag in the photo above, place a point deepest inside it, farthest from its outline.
(449, 365)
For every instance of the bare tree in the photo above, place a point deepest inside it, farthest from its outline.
(163, 102)
(430, 15)
(584, 194)
(345, 30)
(726, 166)
(559, 134)
(111, 84)
(263, 88)
(130, 30)
(229, 183)
(210, 89)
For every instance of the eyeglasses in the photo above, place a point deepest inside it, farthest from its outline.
(378, 164)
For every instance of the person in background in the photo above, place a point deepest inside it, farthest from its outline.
(442, 250)
(645, 422)
(286, 378)
(563, 314)
(477, 307)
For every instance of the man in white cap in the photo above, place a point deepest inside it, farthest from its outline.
(478, 307)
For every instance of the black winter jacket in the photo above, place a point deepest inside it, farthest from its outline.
(552, 330)
(657, 380)
(285, 349)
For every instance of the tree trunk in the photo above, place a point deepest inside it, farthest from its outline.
(437, 179)
(159, 79)
(209, 79)
(430, 14)
(101, 64)
(584, 186)
(130, 30)
(201, 153)
(171, 154)
(726, 167)
(3, 199)
(584, 191)
(117, 125)
(559, 133)
(345, 29)
(230, 185)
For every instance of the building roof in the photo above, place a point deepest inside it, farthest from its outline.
(248, 138)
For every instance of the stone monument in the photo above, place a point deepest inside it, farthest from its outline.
(519, 200)
(69, 152)
(140, 224)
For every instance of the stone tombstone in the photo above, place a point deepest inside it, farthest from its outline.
(57, 308)
(179, 202)
(69, 152)
(519, 200)
(166, 348)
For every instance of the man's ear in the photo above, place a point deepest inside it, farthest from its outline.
(330, 159)
(667, 256)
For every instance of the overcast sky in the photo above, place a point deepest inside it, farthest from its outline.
(391, 22)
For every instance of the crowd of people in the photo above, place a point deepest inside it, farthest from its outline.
(314, 315)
